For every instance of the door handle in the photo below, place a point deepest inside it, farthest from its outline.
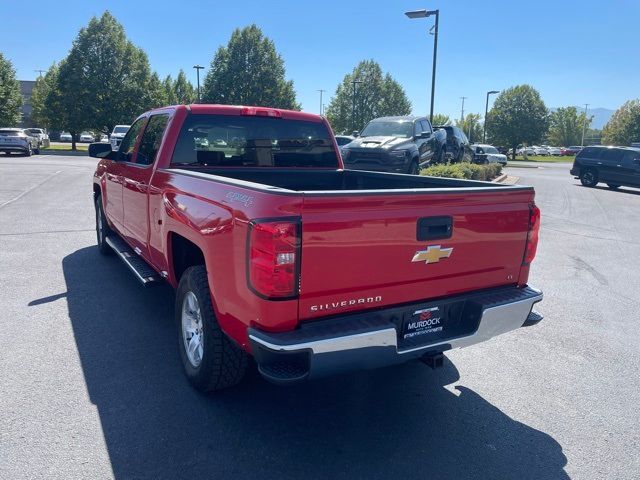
(434, 228)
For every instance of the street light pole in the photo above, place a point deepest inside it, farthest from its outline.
(584, 123)
(462, 111)
(321, 92)
(353, 108)
(486, 110)
(198, 68)
(424, 14)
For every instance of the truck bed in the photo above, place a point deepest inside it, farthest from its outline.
(340, 181)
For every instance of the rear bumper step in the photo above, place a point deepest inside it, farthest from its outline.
(372, 339)
(140, 268)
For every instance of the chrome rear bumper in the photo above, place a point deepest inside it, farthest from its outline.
(371, 339)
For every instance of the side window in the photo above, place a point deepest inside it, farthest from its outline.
(151, 139)
(417, 129)
(613, 155)
(129, 141)
(589, 152)
(426, 126)
(632, 157)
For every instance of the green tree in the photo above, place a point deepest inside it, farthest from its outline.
(471, 126)
(441, 119)
(157, 95)
(249, 71)
(104, 80)
(170, 95)
(624, 126)
(376, 95)
(565, 126)
(40, 114)
(183, 91)
(518, 116)
(10, 96)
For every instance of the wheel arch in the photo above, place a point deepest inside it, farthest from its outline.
(183, 253)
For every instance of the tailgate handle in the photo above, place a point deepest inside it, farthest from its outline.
(434, 228)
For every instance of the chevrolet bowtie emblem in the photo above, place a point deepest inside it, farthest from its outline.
(433, 254)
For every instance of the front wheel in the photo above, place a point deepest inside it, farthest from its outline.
(589, 178)
(414, 169)
(210, 359)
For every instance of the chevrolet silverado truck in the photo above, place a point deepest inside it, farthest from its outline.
(278, 253)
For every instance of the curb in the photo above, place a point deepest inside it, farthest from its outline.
(500, 179)
(67, 153)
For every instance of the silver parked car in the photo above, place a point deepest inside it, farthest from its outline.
(65, 137)
(15, 140)
(41, 134)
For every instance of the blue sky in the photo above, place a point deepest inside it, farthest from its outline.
(573, 52)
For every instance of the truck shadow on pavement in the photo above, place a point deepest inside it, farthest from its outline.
(392, 423)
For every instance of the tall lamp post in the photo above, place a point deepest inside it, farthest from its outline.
(353, 107)
(321, 92)
(584, 123)
(486, 110)
(198, 68)
(424, 14)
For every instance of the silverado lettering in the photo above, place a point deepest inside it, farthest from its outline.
(249, 213)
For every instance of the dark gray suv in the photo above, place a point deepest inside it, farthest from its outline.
(614, 166)
(393, 144)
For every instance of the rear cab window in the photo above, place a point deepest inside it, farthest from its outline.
(253, 141)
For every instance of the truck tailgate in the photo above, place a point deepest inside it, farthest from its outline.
(362, 250)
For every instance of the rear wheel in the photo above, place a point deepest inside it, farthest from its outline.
(589, 178)
(210, 359)
(613, 186)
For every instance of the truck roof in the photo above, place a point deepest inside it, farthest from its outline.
(215, 109)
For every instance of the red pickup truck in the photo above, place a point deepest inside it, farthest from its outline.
(278, 252)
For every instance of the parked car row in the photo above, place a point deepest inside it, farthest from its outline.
(545, 150)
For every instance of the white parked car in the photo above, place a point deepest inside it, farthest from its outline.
(555, 151)
(540, 150)
(487, 154)
(104, 138)
(40, 134)
(65, 137)
(526, 151)
(119, 131)
(87, 137)
(16, 140)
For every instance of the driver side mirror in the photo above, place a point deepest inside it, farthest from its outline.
(101, 150)
(355, 133)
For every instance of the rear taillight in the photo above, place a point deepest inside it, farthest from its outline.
(532, 235)
(274, 258)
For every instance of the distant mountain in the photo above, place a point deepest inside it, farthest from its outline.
(600, 115)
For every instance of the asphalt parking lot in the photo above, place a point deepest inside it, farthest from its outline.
(92, 385)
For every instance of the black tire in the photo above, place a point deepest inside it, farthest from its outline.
(102, 228)
(223, 363)
(28, 152)
(414, 169)
(443, 155)
(37, 151)
(589, 177)
(460, 155)
(613, 186)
